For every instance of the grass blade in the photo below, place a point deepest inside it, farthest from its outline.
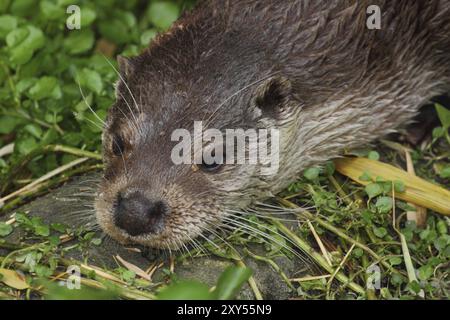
(417, 190)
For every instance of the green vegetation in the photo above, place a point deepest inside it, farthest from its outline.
(47, 132)
(42, 64)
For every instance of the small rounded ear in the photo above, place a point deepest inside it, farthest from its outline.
(126, 66)
(272, 96)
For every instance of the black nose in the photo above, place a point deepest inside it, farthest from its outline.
(137, 215)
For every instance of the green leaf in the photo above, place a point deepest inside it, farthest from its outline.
(51, 11)
(446, 252)
(4, 4)
(16, 36)
(115, 31)
(79, 41)
(441, 227)
(73, 138)
(384, 292)
(162, 14)
(380, 232)
(358, 252)
(128, 275)
(88, 16)
(373, 190)
(5, 229)
(34, 130)
(373, 155)
(428, 235)
(45, 87)
(441, 243)
(185, 290)
(425, 272)
(445, 173)
(312, 173)
(365, 176)
(399, 186)
(59, 227)
(397, 279)
(25, 84)
(330, 168)
(90, 79)
(49, 136)
(395, 261)
(148, 36)
(130, 51)
(93, 123)
(23, 7)
(384, 204)
(438, 132)
(230, 282)
(89, 236)
(96, 241)
(367, 216)
(23, 42)
(54, 240)
(26, 145)
(7, 23)
(42, 230)
(128, 18)
(444, 115)
(22, 219)
(8, 124)
(387, 186)
(43, 271)
(51, 117)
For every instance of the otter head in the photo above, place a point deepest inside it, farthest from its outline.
(148, 198)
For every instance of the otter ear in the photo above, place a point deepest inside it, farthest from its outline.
(126, 66)
(272, 96)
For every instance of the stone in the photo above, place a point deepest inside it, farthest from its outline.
(72, 204)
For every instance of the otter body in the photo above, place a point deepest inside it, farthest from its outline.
(310, 69)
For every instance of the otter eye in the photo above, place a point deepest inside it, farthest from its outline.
(212, 167)
(118, 146)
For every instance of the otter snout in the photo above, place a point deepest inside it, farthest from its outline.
(136, 214)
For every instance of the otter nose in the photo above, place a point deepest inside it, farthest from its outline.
(137, 215)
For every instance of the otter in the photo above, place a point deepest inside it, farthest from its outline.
(313, 70)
